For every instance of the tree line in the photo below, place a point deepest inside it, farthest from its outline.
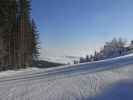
(18, 35)
(114, 48)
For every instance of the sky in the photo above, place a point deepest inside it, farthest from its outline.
(79, 27)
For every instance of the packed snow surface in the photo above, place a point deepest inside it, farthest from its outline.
(110, 79)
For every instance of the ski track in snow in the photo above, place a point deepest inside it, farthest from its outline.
(110, 79)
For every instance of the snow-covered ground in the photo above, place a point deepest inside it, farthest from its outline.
(110, 79)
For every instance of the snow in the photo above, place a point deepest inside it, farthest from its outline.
(22, 71)
(110, 79)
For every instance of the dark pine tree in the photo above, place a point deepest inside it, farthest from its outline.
(27, 35)
(35, 41)
(24, 33)
(7, 31)
(18, 35)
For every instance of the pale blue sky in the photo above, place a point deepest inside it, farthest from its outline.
(79, 24)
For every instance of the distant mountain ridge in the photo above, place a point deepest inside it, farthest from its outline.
(62, 59)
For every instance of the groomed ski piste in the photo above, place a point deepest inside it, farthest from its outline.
(110, 79)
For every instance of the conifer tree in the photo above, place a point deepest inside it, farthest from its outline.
(8, 29)
(18, 34)
(35, 41)
(27, 31)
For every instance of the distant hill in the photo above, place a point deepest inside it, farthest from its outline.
(45, 64)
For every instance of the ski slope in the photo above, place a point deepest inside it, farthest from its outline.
(110, 79)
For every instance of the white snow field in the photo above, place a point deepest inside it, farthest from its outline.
(110, 79)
